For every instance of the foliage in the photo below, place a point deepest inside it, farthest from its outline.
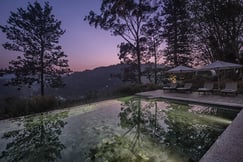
(135, 88)
(177, 28)
(154, 38)
(218, 29)
(155, 74)
(125, 99)
(35, 33)
(39, 139)
(13, 106)
(127, 53)
(90, 96)
(118, 148)
(156, 131)
(125, 19)
(132, 145)
(130, 74)
(40, 103)
(189, 132)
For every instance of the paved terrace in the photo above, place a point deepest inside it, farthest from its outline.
(229, 146)
(226, 100)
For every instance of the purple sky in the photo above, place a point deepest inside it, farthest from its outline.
(85, 46)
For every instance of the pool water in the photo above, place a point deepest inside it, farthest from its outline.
(129, 129)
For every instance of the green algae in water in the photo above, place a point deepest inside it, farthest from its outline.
(181, 132)
(38, 139)
(127, 98)
(125, 148)
(77, 110)
(131, 129)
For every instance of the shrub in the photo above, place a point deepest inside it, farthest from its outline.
(14, 106)
(42, 103)
(136, 88)
(90, 96)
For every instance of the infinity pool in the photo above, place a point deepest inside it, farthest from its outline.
(129, 129)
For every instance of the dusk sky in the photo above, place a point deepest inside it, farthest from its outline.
(86, 46)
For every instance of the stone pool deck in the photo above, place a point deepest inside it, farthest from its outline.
(232, 101)
(229, 146)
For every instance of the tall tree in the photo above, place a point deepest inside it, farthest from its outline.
(127, 55)
(219, 29)
(35, 33)
(154, 38)
(177, 32)
(125, 19)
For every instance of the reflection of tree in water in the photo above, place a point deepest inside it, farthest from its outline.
(191, 133)
(144, 117)
(179, 132)
(136, 144)
(38, 140)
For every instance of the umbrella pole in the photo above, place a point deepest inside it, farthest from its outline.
(218, 80)
(218, 83)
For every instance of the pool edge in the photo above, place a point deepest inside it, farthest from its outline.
(229, 145)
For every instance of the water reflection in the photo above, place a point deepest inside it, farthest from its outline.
(159, 131)
(136, 144)
(38, 140)
(191, 133)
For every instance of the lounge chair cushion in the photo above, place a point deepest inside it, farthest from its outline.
(207, 87)
(187, 87)
(171, 87)
(230, 87)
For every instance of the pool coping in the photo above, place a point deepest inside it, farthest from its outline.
(215, 103)
(229, 145)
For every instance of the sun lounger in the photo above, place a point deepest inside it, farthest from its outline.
(207, 87)
(187, 88)
(230, 88)
(172, 86)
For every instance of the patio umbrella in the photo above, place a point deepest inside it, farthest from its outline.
(181, 69)
(220, 65)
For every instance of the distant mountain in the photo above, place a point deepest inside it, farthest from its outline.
(11, 91)
(78, 84)
(6, 91)
(100, 80)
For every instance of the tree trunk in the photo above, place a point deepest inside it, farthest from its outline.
(139, 64)
(42, 71)
(155, 117)
(138, 47)
(155, 65)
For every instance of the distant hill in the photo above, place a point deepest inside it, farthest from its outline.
(11, 91)
(78, 84)
(100, 80)
(6, 91)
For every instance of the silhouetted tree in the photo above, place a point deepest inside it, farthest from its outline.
(127, 55)
(153, 34)
(125, 19)
(35, 32)
(177, 32)
(218, 29)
